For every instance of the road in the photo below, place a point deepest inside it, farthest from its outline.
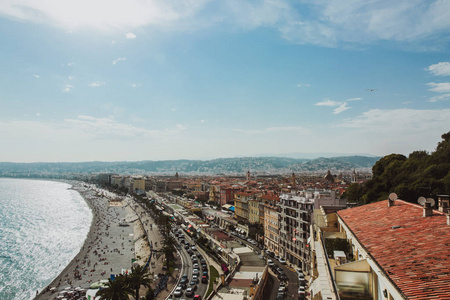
(188, 269)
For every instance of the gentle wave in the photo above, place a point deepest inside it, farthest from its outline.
(43, 225)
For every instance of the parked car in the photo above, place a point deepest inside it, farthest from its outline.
(204, 279)
(282, 260)
(197, 297)
(195, 266)
(204, 268)
(270, 263)
(195, 278)
(195, 272)
(194, 248)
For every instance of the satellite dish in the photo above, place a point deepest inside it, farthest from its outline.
(431, 200)
(393, 196)
(422, 200)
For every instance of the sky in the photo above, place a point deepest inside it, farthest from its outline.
(107, 80)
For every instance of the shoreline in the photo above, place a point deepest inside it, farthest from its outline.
(107, 249)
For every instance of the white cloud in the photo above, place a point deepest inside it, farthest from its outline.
(303, 85)
(173, 109)
(403, 120)
(96, 84)
(70, 78)
(38, 114)
(442, 97)
(130, 35)
(108, 127)
(67, 88)
(293, 129)
(325, 23)
(443, 87)
(119, 59)
(36, 76)
(69, 64)
(328, 102)
(135, 85)
(341, 108)
(440, 69)
(202, 121)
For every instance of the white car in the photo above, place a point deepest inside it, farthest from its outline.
(178, 292)
(282, 261)
(270, 262)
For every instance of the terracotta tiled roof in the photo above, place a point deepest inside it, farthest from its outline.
(415, 256)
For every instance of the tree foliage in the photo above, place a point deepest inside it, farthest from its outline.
(419, 174)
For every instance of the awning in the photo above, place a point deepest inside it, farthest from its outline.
(231, 208)
(226, 206)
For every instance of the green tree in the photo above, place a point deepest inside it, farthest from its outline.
(137, 278)
(116, 289)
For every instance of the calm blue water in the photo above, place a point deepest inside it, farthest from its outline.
(43, 225)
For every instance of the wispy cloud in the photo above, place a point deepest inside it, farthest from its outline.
(443, 97)
(130, 35)
(328, 102)
(119, 59)
(400, 121)
(67, 88)
(296, 129)
(443, 87)
(108, 127)
(96, 84)
(325, 23)
(69, 64)
(440, 69)
(135, 85)
(303, 85)
(340, 106)
(354, 99)
(36, 76)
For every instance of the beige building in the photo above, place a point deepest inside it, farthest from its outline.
(271, 224)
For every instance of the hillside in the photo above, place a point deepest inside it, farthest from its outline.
(258, 165)
(419, 174)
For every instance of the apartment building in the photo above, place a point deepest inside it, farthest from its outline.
(269, 201)
(396, 250)
(296, 217)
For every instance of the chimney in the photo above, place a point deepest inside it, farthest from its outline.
(427, 210)
(390, 202)
(443, 202)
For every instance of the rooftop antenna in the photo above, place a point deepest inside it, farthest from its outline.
(422, 201)
(392, 198)
(431, 200)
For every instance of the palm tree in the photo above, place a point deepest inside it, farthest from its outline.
(137, 278)
(116, 289)
(169, 249)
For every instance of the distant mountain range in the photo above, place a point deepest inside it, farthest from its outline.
(226, 166)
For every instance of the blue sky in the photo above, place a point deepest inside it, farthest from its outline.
(152, 80)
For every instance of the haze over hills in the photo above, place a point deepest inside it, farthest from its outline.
(257, 165)
(312, 155)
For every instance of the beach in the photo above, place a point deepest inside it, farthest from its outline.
(116, 237)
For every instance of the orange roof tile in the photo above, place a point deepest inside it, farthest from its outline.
(415, 256)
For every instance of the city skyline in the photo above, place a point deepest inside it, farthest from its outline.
(158, 80)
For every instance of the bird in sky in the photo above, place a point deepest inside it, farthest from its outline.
(371, 90)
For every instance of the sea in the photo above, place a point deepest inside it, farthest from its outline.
(43, 225)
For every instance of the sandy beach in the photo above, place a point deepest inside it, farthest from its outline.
(115, 238)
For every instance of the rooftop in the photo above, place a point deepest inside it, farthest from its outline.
(411, 249)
